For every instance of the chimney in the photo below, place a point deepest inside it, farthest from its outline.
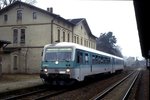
(50, 10)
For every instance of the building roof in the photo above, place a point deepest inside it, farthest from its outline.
(76, 21)
(142, 16)
(82, 20)
(72, 22)
(34, 7)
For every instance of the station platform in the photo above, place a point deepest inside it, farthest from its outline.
(10, 82)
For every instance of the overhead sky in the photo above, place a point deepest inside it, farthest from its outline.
(102, 17)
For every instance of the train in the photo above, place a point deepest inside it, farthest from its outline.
(66, 62)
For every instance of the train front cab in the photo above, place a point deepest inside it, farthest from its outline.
(58, 65)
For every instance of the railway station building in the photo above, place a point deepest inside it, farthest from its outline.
(29, 28)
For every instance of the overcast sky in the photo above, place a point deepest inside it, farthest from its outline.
(102, 16)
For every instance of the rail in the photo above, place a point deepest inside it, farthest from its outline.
(103, 94)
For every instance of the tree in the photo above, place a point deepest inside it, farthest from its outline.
(107, 43)
(4, 3)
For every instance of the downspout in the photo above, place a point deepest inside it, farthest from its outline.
(52, 30)
(72, 34)
(52, 22)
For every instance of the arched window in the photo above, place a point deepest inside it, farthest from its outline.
(19, 14)
(58, 35)
(64, 35)
(22, 36)
(15, 36)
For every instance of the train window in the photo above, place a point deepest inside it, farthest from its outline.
(108, 60)
(93, 59)
(79, 57)
(104, 60)
(96, 59)
(101, 60)
(86, 59)
(60, 54)
(118, 61)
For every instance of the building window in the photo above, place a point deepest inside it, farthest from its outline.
(15, 36)
(77, 40)
(89, 44)
(58, 35)
(74, 39)
(81, 40)
(0, 65)
(64, 36)
(92, 44)
(5, 17)
(34, 15)
(68, 37)
(19, 14)
(22, 36)
(15, 61)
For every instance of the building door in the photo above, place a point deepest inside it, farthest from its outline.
(0, 65)
(15, 63)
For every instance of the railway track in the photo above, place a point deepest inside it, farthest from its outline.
(37, 94)
(25, 94)
(119, 90)
(53, 92)
(33, 93)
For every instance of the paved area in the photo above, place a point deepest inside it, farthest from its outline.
(144, 86)
(9, 82)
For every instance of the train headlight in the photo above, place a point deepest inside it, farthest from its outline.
(45, 70)
(67, 70)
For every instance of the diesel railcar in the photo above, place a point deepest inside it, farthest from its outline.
(65, 62)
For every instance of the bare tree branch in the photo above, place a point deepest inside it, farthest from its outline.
(4, 3)
(32, 2)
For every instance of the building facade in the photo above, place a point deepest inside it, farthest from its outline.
(82, 33)
(29, 28)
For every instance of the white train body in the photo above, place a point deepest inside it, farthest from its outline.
(70, 61)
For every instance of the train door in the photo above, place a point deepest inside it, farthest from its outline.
(83, 63)
(88, 65)
(79, 62)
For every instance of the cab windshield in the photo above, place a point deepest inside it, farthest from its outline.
(58, 54)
